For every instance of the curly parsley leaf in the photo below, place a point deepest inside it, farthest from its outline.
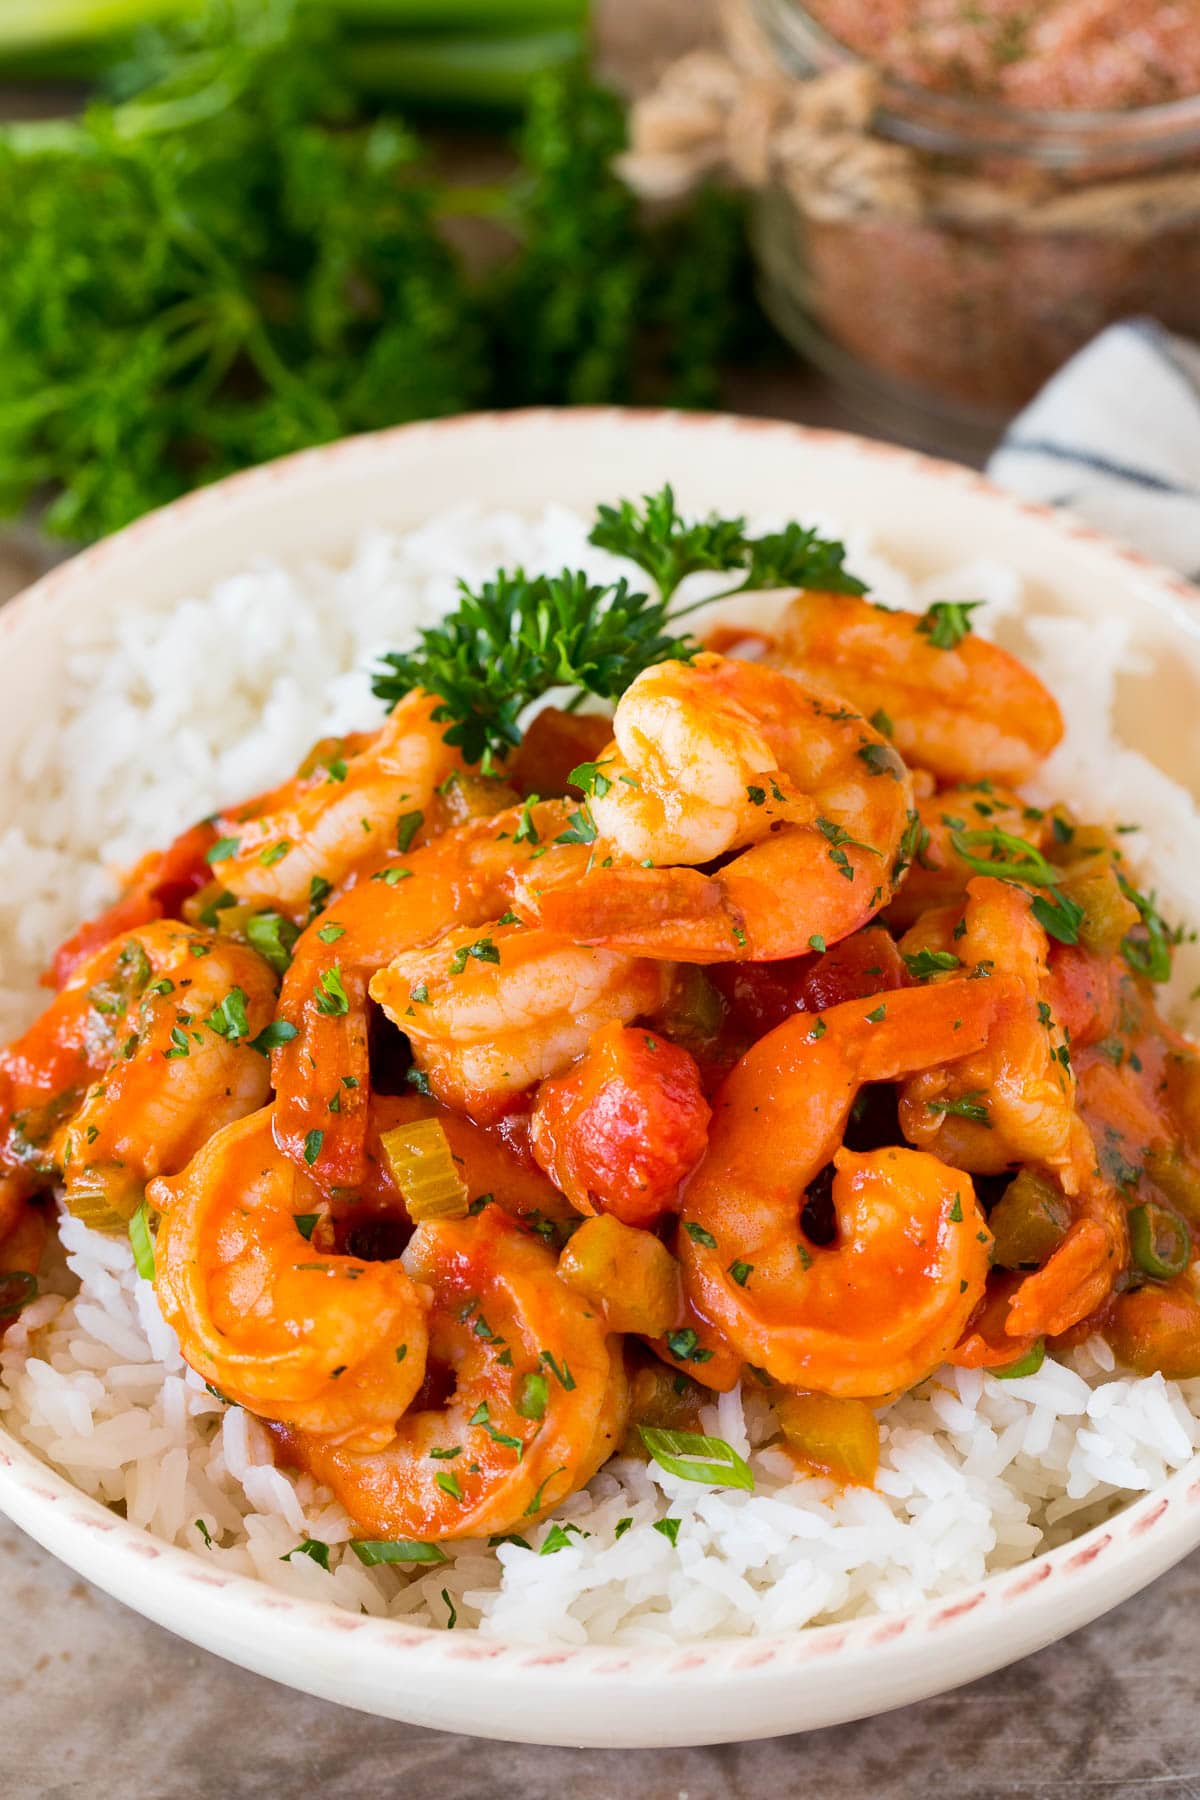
(518, 637)
(668, 548)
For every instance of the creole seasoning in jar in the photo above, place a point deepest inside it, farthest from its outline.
(952, 196)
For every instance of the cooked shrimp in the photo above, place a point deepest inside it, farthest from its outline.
(331, 1344)
(966, 713)
(536, 1395)
(1013, 1101)
(880, 1307)
(354, 799)
(322, 1075)
(1080, 1273)
(145, 1052)
(716, 756)
(489, 1017)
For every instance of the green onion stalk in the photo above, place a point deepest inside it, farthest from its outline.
(426, 53)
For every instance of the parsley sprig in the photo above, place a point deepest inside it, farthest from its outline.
(519, 636)
(659, 541)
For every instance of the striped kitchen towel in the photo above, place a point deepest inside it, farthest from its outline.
(1115, 436)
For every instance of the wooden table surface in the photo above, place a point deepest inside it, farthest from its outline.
(97, 1704)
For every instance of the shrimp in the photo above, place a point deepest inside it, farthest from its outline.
(536, 1396)
(879, 1308)
(353, 799)
(718, 756)
(145, 1051)
(322, 1073)
(330, 1344)
(966, 713)
(489, 1017)
(1013, 1101)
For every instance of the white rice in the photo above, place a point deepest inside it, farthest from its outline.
(976, 1474)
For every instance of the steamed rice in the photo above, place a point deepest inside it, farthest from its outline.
(976, 1474)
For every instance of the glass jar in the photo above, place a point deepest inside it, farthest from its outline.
(941, 302)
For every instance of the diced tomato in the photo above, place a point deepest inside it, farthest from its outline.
(555, 743)
(762, 995)
(1082, 993)
(157, 889)
(625, 1127)
(867, 963)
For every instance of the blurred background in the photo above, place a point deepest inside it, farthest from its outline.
(232, 228)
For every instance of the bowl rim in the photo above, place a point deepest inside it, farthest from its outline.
(67, 1521)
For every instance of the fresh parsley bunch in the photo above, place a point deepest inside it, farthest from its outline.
(246, 253)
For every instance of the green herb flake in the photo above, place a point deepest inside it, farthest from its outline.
(272, 1036)
(947, 622)
(142, 1240)
(407, 827)
(373, 1552)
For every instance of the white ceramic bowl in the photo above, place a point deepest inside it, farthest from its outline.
(927, 515)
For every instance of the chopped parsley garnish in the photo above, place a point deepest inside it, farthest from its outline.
(222, 850)
(273, 937)
(330, 995)
(669, 1529)
(589, 777)
(699, 1235)
(881, 759)
(562, 1375)
(278, 1032)
(311, 1547)
(482, 950)
(527, 832)
(329, 934)
(741, 1272)
(407, 827)
(924, 963)
(836, 838)
(947, 622)
(312, 1146)
(304, 1223)
(581, 827)
(685, 1344)
(274, 853)
(968, 1106)
(229, 1019)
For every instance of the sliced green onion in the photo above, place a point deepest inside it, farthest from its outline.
(696, 1458)
(312, 1547)
(1160, 1241)
(1029, 1364)
(17, 1288)
(533, 1392)
(373, 1551)
(143, 1242)
(1021, 860)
